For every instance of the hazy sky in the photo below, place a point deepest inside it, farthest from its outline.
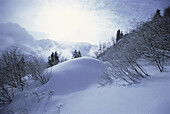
(77, 20)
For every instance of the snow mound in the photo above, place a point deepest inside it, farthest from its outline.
(74, 75)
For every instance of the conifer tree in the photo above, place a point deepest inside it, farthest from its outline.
(157, 14)
(79, 54)
(49, 61)
(119, 35)
(76, 54)
(56, 58)
(167, 12)
(53, 59)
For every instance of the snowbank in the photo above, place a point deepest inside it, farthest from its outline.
(74, 75)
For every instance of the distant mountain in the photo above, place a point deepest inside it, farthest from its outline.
(14, 35)
(46, 46)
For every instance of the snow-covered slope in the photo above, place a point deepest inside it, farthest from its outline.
(74, 75)
(67, 78)
(75, 91)
(149, 97)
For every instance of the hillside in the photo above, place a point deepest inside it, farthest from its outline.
(67, 78)
(150, 96)
(73, 89)
(130, 74)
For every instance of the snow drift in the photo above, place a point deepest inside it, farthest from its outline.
(74, 75)
(75, 92)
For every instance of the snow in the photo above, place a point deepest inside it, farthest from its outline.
(145, 98)
(74, 75)
(74, 90)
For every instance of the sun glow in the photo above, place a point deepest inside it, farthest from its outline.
(69, 22)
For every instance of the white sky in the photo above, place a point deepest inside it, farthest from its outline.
(70, 22)
(91, 21)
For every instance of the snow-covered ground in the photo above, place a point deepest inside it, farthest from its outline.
(73, 89)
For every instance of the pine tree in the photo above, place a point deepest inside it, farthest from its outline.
(157, 14)
(53, 59)
(76, 54)
(79, 54)
(49, 61)
(119, 35)
(167, 12)
(56, 58)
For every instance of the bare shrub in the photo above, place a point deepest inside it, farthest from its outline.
(148, 41)
(12, 68)
(6, 94)
(37, 69)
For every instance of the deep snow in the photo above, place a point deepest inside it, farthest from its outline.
(74, 75)
(149, 97)
(75, 91)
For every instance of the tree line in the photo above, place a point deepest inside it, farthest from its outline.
(53, 59)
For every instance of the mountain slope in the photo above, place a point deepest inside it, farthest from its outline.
(14, 35)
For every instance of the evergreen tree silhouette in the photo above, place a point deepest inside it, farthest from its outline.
(119, 35)
(157, 14)
(167, 12)
(56, 58)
